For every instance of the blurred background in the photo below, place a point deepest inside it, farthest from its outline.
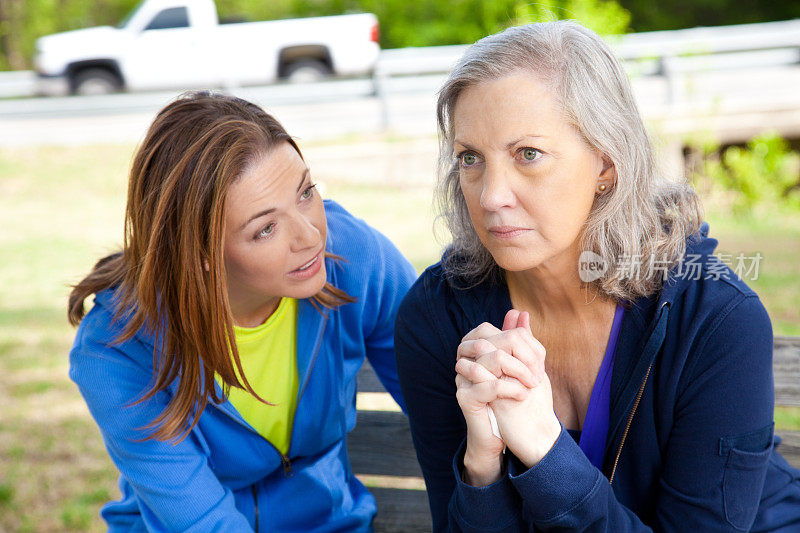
(716, 80)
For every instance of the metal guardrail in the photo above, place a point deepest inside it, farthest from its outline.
(17, 83)
(669, 54)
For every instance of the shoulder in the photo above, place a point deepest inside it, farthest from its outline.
(98, 336)
(448, 308)
(99, 325)
(711, 288)
(354, 240)
(368, 259)
(720, 322)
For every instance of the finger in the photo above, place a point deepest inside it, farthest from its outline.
(524, 320)
(524, 323)
(500, 363)
(516, 343)
(483, 331)
(473, 371)
(489, 391)
(527, 334)
(474, 348)
(510, 321)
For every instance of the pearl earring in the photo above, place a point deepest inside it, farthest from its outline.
(602, 187)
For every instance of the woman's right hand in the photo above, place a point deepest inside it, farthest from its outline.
(478, 368)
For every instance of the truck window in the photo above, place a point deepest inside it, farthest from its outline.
(174, 17)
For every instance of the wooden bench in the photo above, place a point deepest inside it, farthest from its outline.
(383, 457)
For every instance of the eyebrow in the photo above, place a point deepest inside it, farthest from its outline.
(266, 212)
(508, 146)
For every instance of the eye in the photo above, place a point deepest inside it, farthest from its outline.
(308, 193)
(267, 231)
(529, 154)
(467, 158)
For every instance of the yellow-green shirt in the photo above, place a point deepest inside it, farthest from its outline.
(269, 358)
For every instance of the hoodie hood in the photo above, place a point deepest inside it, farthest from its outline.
(699, 250)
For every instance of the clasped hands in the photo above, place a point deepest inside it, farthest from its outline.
(504, 369)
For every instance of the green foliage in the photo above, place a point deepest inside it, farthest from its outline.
(435, 22)
(766, 172)
(603, 16)
(23, 21)
(673, 14)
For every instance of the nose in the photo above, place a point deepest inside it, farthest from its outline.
(497, 191)
(306, 234)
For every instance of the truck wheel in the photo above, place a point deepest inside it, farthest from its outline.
(307, 70)
(95, 81)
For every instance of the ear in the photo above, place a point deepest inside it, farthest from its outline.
(608, 174)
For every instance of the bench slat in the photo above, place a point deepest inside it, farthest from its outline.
(786, 367)
(790, 447)
(381, 444)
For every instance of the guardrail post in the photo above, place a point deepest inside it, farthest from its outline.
(670, 74)
(380, 79)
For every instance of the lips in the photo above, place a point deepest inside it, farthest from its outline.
(308, 264)
(309, 269)
(507, 232)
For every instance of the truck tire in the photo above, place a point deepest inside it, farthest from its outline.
(95, 81)
(307, 70)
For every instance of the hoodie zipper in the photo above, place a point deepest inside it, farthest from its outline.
(285, 461)
(628, 424)
(635, 407)
(255, 501)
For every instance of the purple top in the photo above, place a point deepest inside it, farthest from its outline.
(595, 426)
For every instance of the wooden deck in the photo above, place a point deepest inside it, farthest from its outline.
(383, 457)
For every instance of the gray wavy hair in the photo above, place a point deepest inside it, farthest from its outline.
(645, 215)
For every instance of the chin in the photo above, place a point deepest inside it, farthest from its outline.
(317, 282)
(516, 261)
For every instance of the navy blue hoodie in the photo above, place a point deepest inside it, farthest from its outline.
(691, 416)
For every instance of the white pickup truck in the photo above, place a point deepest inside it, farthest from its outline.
(171, 44)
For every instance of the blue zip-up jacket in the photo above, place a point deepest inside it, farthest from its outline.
(690, 440)
(225, 476)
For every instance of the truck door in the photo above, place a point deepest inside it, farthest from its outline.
(167, 53)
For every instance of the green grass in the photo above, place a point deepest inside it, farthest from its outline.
(62, 208)
(787, 418)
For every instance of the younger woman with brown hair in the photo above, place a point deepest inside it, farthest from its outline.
(220, 357)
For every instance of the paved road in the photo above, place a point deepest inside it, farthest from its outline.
(315, 111)
(733, 105)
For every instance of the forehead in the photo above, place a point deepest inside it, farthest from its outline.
(269, 181)
(520, 103)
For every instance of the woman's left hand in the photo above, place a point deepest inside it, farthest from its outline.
(529, 426)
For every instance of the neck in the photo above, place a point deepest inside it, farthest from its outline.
(554, 289)
(249, 314)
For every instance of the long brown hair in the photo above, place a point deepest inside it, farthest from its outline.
(196, 147)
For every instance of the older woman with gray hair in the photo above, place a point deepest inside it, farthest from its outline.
(580, 359)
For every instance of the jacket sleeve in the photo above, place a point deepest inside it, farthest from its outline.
(423, 344)
(390, 278)
(173, 482)
(718, 451)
